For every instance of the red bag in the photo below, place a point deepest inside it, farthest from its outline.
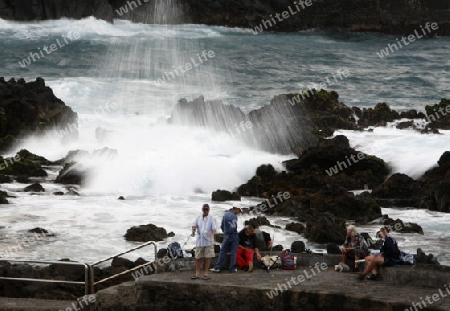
(288, 261)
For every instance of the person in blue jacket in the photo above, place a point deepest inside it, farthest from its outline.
(230, 240)
(389, 253)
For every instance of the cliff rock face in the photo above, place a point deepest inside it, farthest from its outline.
(25, 10)
(29, 108)
(389, 16)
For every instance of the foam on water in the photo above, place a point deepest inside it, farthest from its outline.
(406, 151)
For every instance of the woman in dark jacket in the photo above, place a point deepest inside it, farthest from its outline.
(389, 253)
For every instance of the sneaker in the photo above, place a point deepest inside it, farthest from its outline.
(214, 270)
(233, 271)
(373, 277)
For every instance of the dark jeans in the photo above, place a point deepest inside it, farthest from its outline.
(230, 244)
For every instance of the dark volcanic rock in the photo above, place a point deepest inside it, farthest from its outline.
(296, 227)
(439, 114)
(36, 187)
(70, 175)
(398, 190)
(435, 186)
(224, 195)
(258, 221)
(378, 116)
(26, 164)
(344, 204)
(31, 107)
(387, 16)
(3, 197)
(145, 233)
(38, 230)
(337, 141)
(405, 125)
(324, 228)
(398, 226)
(5, 179)
(56, 9)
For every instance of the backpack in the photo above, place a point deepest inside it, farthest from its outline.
(174, 250)
(298, 247)
(288, 260)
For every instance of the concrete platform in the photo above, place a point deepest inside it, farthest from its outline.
(28, 304)
(326, 290)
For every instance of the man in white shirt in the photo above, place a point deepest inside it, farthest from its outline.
(205, 226)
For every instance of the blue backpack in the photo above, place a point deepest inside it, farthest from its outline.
(174, 250)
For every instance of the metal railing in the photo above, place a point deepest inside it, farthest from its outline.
(71, 263)
(91, 267)
(89, 280)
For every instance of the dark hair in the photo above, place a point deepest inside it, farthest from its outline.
(252, 226)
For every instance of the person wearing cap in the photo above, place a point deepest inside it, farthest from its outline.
(230, 240)
(205, 226)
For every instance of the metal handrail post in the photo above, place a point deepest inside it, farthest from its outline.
(92, 282)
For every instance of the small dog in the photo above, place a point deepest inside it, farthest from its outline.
(342, 267)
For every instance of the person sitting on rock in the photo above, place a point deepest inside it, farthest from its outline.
(355, 247)
(388, 255)
(247, 246)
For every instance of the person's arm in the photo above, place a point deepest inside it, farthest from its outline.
(388, 247)
(194, 225)
(213, 225)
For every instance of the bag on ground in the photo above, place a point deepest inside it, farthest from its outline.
(174, 250)
(288, 261)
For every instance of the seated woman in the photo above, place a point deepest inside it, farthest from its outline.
(389, 253)
(355, 247)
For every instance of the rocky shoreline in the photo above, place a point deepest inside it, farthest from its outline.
(402, 17)
(318, 198)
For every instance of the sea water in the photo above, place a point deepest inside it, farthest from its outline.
(108, 75)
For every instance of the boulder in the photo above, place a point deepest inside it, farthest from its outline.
(145, 233)
(122, 262)
(398, 190)
(224, 195)
(36, 187)
(295, 227)
(24, 163)
(258, 221)
(378, 116)
(70, 174)
(344, 204)
(324, 227)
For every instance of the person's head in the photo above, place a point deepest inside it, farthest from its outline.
(383, 233)
(236, 210)
(205, 209)
(351, 230)
(251, 228)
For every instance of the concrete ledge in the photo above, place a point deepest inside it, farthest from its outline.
(326, 290)
(417, 275)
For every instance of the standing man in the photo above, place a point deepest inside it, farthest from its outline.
(230, 239)
(247, 245)
(206, 226)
